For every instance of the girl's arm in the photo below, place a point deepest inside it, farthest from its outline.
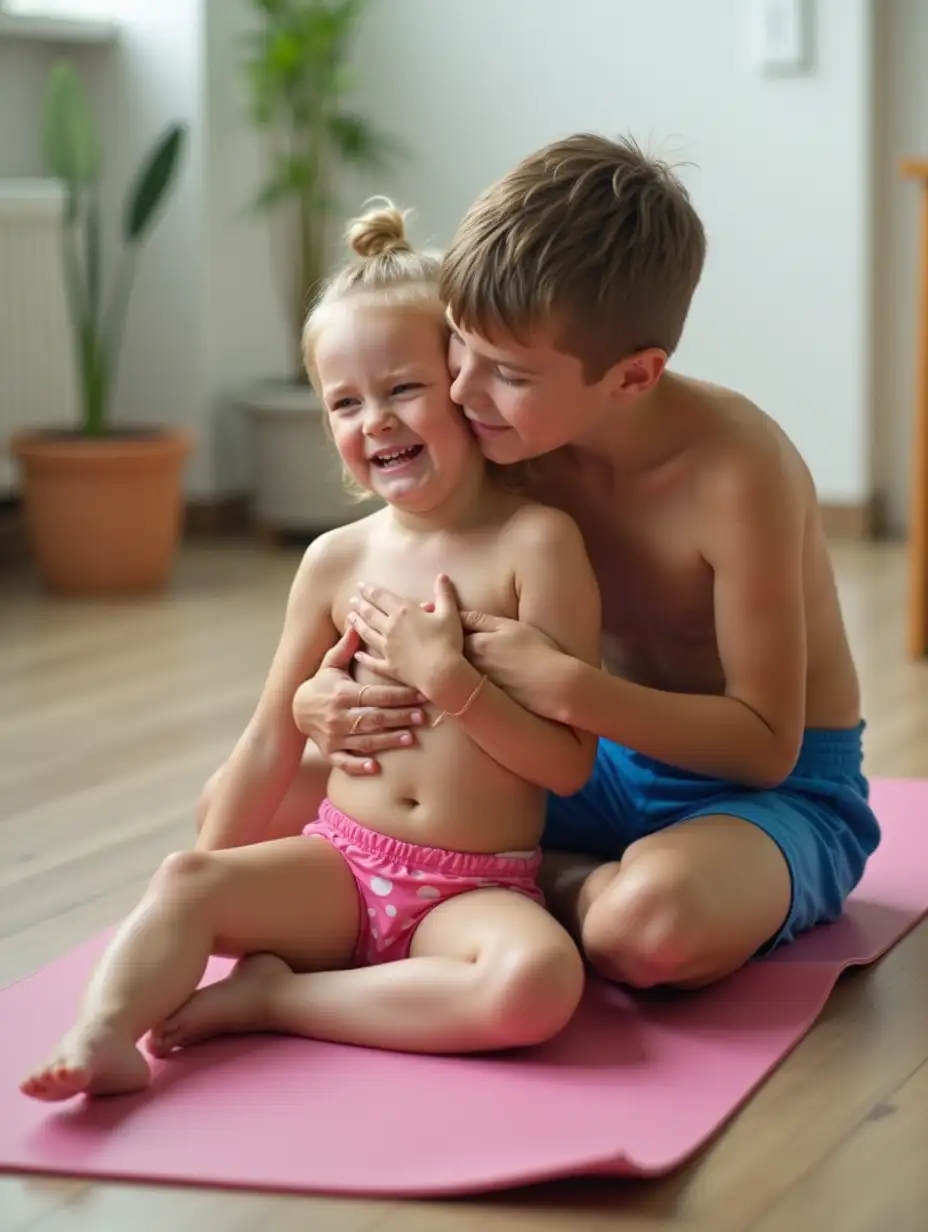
(559, 597)
(267, 755)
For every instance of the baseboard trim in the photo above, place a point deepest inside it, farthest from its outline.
(217, 518)
(230, 515)
(847, 520)
(12, 536)
(227, 516)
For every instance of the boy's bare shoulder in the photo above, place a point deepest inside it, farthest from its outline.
(744, 456)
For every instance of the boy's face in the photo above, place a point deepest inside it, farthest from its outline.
(523, 401)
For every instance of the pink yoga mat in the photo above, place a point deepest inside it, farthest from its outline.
(633, 1086)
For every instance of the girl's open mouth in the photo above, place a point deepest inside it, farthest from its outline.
(395, 458)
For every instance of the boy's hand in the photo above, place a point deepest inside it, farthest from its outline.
(417, 644)
(518, 658)
(349, 723)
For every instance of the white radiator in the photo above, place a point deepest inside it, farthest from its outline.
(37, 385)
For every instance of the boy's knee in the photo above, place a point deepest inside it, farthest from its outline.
(534, 994)
(646, 927)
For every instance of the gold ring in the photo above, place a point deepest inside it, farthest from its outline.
(364, 689)
(356, 724)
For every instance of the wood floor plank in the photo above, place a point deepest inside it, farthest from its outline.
(27, 1202)
(894, 1132)
(147, 1208)
(587, 1209)
(114, 714)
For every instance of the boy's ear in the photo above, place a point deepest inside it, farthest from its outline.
(637, 374)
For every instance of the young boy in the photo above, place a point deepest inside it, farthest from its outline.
(727, 811)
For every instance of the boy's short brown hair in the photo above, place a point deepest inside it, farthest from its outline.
(589, 237)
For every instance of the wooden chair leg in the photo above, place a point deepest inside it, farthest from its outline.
(918, 497)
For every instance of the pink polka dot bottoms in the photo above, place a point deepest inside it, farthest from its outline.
(400, 883)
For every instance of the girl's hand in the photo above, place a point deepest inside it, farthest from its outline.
(418, 644)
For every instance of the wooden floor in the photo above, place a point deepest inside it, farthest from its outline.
(112, 716)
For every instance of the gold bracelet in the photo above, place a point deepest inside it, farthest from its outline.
(457, 714)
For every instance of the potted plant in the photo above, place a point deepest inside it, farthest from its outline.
(299, 89)
(102, 502)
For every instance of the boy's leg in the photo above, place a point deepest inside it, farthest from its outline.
(685, 906)
(488, 969)
(295, 898)
(704, 875)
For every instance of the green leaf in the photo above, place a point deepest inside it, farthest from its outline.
(341, 20)
(95, 383)
(298, 50)
(114, 323)
(269, 196)
(153, 182)
(75, 284)
(273, 8)
(298, 71)
(70, 142)
(292, 177)
(92, 258)
(284, 55)
(263, 93)
(359, 143)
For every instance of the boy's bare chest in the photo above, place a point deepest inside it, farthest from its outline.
(646, 553)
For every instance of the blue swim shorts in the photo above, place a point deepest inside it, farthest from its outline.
(819, 817)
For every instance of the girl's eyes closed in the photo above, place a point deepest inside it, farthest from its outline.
(403, 389)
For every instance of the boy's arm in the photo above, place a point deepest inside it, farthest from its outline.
(267, 755)
(753, 542)
(558, 595)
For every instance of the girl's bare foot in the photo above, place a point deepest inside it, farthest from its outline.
(92, 1059)
(236, 1005)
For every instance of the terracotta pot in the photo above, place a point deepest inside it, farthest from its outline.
(103, 514)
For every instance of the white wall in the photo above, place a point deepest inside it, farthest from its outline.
(152, 79)
(247, 329)
(901, 132)
(23, 67)
(782, 178)
(204, 315)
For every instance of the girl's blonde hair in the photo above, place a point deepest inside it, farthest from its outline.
(388, 271)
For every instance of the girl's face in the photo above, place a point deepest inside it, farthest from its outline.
(383, 375)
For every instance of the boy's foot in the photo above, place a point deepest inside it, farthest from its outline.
(91, 1060)
(236, 1005)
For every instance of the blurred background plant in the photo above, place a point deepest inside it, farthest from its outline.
(300, 87)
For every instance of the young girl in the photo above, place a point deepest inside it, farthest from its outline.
(407, 916)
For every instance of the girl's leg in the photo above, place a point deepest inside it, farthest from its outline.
(489, 969)
(295, 897)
